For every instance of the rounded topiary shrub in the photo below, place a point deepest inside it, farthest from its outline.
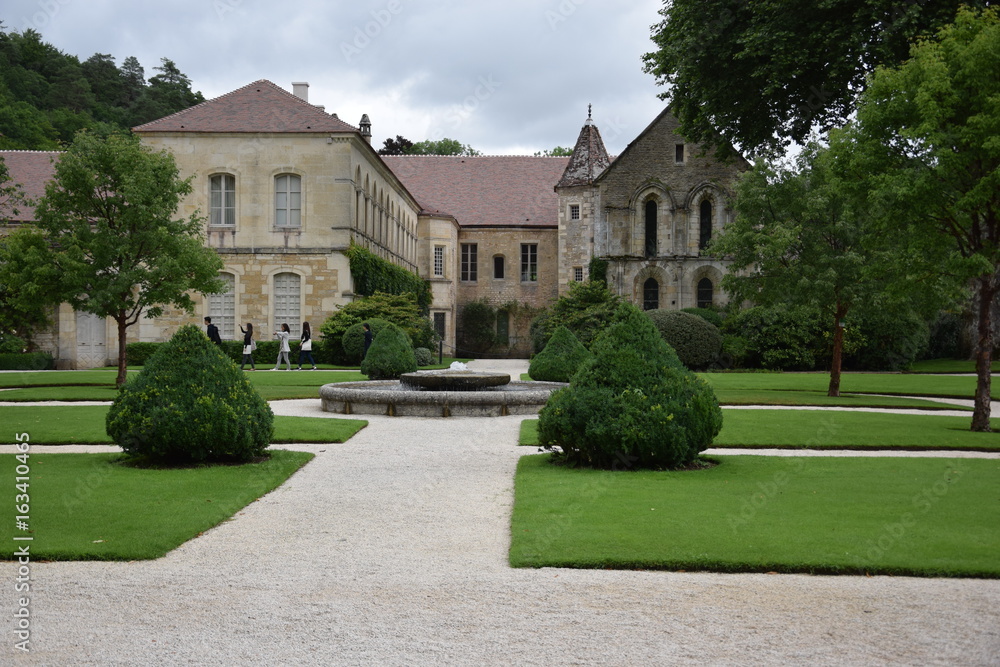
(190, 404)
(633, 405)
(562, 357)
(390, 355)
(697, 341)
(424, 356)
(354, 339)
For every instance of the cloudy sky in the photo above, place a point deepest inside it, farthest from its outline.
(504, 76)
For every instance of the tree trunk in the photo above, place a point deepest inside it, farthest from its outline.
(838, 351)
(984, 354)
(122, 361)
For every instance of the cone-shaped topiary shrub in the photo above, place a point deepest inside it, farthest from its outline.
(190, 404)
(390, 355)
(562, 357)
(633, 405)
(354, 339)
(697, 341)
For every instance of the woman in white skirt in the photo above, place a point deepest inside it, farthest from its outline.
(249, 345)
(305, 349)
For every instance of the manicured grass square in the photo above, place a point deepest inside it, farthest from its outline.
(925, 517)
(90, 507)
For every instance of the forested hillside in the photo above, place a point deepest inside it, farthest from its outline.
(47, 95)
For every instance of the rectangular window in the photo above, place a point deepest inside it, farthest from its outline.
(287, 302)
(288, 201)
(469, 262)
(438, 261)
(529, 262)
(222, 200)
(574, 211)
(222, 308)
(578, 274)
(498, 268)
(679, 153)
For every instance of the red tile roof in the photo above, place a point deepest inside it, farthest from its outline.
(31, 170)
(259, 107)
(484, 190)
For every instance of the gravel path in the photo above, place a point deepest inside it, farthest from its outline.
(391, 549)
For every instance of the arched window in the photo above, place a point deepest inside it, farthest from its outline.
(705, 293)
(222, 307)
(650, 294)
(222, 200)
(650, 228)
(287, 301)
(706, 225)
(288, 201)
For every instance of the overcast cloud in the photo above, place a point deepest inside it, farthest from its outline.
(510, 76)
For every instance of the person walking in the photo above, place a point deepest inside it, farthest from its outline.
(283, 335)
(305, 347)
(213, 332)
(368, 339)
(249, 345)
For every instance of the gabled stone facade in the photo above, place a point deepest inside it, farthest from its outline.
(651, 213)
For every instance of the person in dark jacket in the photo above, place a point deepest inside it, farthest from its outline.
(212, 331)
(305, 349)
(248, 346)
(368, 339)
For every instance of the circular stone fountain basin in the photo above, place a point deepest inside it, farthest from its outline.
(453, 380)
(390, 397)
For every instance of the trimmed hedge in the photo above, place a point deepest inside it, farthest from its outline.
(191, 404)
(632, 406)
(390, 355)
(423, 356)
(561, 358)
(710, 314)
(697, 341)
(137, 354)
(26, 361)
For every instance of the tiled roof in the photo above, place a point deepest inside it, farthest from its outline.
(484, 190)
(31, 170)
(589, 158)
(259, 107)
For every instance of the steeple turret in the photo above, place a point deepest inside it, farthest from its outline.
(589, 157)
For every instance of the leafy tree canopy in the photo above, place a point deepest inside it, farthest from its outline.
(398, 146)
(558, 151)
(926, 148)
(109, 233)
(442, 147)
(46, 96)
(758, 74)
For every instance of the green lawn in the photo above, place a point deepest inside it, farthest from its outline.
(948, 366)
(903, 384)
(77, 501)
(84, 424)
(902, 516)
(272, 385)
(828, 429)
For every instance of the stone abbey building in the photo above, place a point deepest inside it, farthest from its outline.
(286, 187)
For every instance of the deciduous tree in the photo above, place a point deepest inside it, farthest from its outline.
(926, 145)
(107, 220)
(758, 74)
